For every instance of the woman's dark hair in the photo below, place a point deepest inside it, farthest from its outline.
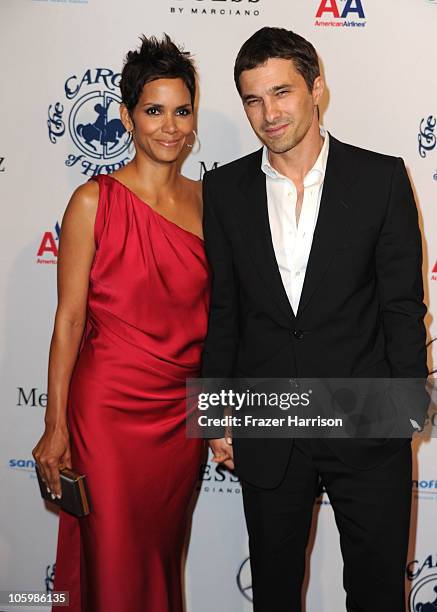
(156, 59)
(269, 43)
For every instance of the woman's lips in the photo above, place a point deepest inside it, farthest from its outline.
(169, 143)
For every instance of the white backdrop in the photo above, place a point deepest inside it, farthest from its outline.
(62, 57)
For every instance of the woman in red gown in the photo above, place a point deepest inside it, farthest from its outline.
(133, 286)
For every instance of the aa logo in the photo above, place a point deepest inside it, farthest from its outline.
(349, 13)
(48, 248)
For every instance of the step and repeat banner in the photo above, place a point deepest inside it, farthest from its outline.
(61, 62)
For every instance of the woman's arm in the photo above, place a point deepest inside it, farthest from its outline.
(76, 254)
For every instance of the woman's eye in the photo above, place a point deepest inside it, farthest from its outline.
(184, 112)
(152, 111)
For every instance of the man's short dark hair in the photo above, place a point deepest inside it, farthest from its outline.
(156, 59)
(280, 43)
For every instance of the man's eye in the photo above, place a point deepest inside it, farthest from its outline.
(282, 92)
(252, 102)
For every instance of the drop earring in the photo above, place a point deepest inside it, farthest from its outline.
(196, 142)
(131, 140)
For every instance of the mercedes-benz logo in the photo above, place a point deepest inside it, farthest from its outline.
(244, 579)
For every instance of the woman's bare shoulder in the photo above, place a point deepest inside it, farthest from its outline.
(84, 200)
(87, 195)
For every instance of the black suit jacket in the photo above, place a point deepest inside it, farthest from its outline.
(361, 309)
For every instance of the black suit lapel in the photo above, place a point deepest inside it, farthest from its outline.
(331, 228)
(332, 222)
(254, 224)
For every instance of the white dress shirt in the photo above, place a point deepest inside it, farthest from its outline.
(292, 242)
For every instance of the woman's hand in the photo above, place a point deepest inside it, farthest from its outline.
(51, 454)
(222, 447)
(223, 451)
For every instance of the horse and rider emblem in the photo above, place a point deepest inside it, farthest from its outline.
(93, 122)
(423, 597)
(50, 577)
(94, 130)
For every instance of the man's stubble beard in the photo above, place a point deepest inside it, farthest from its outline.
(290, 142)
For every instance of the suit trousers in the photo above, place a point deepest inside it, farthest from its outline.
(372, 513)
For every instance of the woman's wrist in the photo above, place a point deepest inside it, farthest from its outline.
(56, 423)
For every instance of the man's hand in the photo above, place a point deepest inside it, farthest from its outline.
(223, 451)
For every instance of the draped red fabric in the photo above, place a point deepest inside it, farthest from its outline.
(146, 322)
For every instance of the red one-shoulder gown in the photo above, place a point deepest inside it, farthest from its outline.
(146, 323)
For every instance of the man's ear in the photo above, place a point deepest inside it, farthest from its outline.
(318, 89)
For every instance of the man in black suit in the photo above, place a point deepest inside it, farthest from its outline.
(316, 256)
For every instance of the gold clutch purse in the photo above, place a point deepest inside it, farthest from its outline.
(75, 496)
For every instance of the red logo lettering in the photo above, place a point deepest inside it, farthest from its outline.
(328, 6)
(48, 245)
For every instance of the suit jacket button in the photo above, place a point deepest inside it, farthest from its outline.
(298, 334)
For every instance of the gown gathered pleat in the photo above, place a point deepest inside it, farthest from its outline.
(147, 315)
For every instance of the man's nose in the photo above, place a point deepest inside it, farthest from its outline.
(271, 111)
